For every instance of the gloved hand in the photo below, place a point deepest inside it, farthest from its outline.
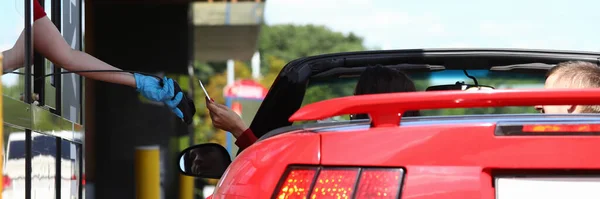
(150, 88)
(173, 104)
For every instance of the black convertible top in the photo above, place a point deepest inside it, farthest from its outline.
(322, 66)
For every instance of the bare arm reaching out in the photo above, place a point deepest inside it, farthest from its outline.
(49, 42)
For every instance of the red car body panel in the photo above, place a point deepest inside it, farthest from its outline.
(256, 171)
(457, 145)
(455, 161)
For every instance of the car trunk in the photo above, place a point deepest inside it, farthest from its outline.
(474, 160)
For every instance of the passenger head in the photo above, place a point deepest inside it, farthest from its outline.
(379, 79)
(572, 74)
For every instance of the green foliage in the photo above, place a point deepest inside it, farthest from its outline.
(289, 42)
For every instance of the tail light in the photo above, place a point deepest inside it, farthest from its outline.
(562, 128)
(74, 177)
(548, 129)
(6, 182)
(339, 182)
(297, 183)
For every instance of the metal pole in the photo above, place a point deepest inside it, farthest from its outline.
(230, 79)
(230, 72)
(228, 137)
(255, 65)
(27, 94)
(147, 172)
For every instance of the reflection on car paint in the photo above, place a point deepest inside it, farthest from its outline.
(445, 120)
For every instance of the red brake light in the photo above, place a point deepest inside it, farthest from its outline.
(296, 184)
(335, 183)
(379, 183)
(6, 181)
(562, 128)
(349, 182)
(547, 129)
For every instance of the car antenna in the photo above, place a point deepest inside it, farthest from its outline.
(471, 77)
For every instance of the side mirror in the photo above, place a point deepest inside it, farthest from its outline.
(204, 160)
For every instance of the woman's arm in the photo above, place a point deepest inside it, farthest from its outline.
(15, 57)
(49, 42)
(246, 139)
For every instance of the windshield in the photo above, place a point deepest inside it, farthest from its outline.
(16, 150)
(341, 87)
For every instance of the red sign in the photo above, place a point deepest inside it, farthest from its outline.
(237, 108)
(245, 89)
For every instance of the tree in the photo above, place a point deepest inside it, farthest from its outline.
(288, 42)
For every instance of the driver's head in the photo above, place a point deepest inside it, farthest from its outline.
(379, 79)
(192, 159)
(572, 74)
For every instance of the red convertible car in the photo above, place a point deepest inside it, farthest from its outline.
(484, 144)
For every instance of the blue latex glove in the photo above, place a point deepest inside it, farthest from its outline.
(150, 88)
(173, 104)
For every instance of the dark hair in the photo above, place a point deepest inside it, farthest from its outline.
(379, 79)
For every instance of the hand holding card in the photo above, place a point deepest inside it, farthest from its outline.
(205, 93)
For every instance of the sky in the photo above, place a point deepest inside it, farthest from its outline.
(12, 23)
(394, 24)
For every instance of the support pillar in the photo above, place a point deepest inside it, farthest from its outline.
(147, 172)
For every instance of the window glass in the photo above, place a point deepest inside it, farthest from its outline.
(14, 163)
(43, 165)
(69, 172)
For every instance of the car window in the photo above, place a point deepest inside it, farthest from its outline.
(16, 149)
(65, 153)
(43, 146)
(319, 90)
